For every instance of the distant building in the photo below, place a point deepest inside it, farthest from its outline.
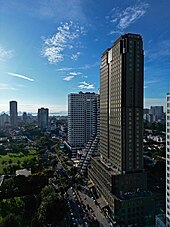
(4, 120)
(150, 118)
(154, 114)
(145, 111)
(24, 117)
(13, 114)
(157, 111)
(81, 119)
(168, 159)
(43, 115)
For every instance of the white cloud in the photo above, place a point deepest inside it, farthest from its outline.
(150, 83)
(20, 76)
(4, 86)
(89, 66)
(159, 51)
(64, 69)
(64, 40)
(75, 56)
(85, 85)
(71, 75)
(75, 73)
(68, 78)
(124, 18)
(6, 54)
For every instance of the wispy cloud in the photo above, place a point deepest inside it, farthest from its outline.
(20, 76)
(85, 85)
(6, 54)
(148, 82)
(123, 18)
(68, 78)
(89, 66)
(71, 75)
(4, 86)
(160, 50)
(75, 73)
(64, 69)
(64, 40)
(84, 67)
(75, 56)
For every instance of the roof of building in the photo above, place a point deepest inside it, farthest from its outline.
(24, 172)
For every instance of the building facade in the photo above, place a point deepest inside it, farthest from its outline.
(168, 160)
(4, 120)
(118, 173)
(43, 115)
(157, 111)
(13, 114)
(81, 119)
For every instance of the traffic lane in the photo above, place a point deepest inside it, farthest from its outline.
(94, 209)
(75, 206)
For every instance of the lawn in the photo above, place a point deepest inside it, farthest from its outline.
(19, 156)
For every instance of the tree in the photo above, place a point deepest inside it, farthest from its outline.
(11, 220)
(52, 207)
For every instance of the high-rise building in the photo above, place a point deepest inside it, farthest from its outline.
(13, 114)
(157, 111)
(4, 120)
(118, 173)
(43, 115)
(168, 160)
(24, 117)
(81, 119)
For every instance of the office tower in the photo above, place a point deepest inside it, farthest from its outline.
(4, 120)
(43, 118)
(13, 114)
(81, 111)
(24, 117)
(168, 159)
(118, 173)
(145, 111)
(157, 111)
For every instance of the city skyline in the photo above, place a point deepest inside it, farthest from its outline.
(50, 50)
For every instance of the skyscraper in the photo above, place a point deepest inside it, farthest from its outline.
(81, 119)
(13, 114)
(118, 173)
(168, 159)
(43, 118)
(157, 111)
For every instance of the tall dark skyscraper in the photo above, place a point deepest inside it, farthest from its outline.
(43, 115)
(118, 173)
(13, 113)
(121, 105)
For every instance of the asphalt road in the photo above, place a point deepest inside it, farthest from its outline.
(95, 211)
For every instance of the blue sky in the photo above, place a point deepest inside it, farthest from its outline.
(51, 48)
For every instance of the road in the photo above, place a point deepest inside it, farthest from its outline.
(95, 210)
